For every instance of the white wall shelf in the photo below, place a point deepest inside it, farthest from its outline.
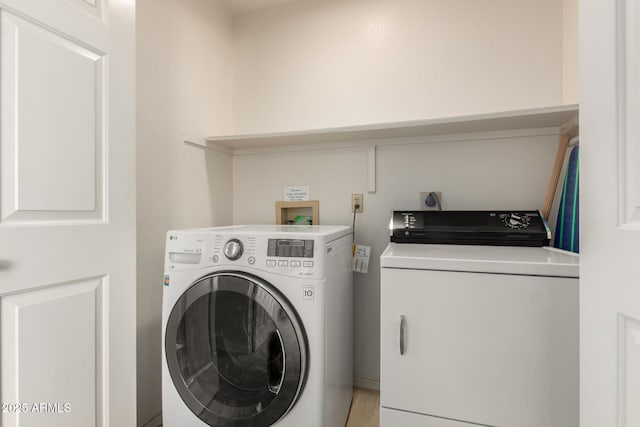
(471, 127)
(548, 117)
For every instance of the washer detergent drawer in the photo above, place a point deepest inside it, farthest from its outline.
(490, 349)
(391, 417)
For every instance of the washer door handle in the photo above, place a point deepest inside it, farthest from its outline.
(275, 388)
(402, 332)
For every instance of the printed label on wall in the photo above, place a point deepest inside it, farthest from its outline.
(296, 193)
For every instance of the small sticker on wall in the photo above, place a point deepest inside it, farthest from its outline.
(360, 260)
(166, 280)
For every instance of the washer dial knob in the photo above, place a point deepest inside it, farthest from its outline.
(516, 221)
(233, 249)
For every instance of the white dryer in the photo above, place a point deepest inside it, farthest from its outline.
(479, 335)
(257, 327)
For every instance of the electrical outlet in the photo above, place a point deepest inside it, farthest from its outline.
(430, 203)
(356, 200)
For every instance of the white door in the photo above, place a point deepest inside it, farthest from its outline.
(67, 213)
(610, 213)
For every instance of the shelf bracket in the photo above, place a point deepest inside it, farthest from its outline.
(372, 169)
(203, 144)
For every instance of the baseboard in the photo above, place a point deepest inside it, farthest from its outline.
(154, 422)
(366, 383)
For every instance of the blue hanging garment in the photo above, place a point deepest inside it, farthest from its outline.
(567, 226)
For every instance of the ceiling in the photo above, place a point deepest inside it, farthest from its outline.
(241, 6)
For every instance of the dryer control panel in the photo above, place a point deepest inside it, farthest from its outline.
(497, 228)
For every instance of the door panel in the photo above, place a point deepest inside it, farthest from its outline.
(628, 371)
(93, 7)
(65, 324)
(67, 211)
(628, 88)
(52, 162)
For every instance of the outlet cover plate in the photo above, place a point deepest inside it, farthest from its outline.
(357, 199)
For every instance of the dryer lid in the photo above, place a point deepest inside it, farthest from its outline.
(543, 261)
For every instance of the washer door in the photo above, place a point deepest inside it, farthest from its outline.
(236, 350)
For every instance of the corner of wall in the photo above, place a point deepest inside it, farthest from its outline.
(570, 52)
(184, 74)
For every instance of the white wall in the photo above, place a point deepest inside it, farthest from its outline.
(570, 48)
(316, 63)
(311, 63)
(185, 76)
(507, 173)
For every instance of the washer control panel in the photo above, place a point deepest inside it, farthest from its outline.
(293, 257)
(290, 248)
(233, 249)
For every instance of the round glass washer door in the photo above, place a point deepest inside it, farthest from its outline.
(236, 350)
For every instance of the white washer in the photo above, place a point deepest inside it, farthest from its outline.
(257, 327)
(479, 335)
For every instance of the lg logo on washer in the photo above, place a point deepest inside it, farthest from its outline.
(308, 292)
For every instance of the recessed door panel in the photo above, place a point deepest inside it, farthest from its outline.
(52, 155)
(628, 371)
(51, 355)
(93, 7)
(629, 110)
